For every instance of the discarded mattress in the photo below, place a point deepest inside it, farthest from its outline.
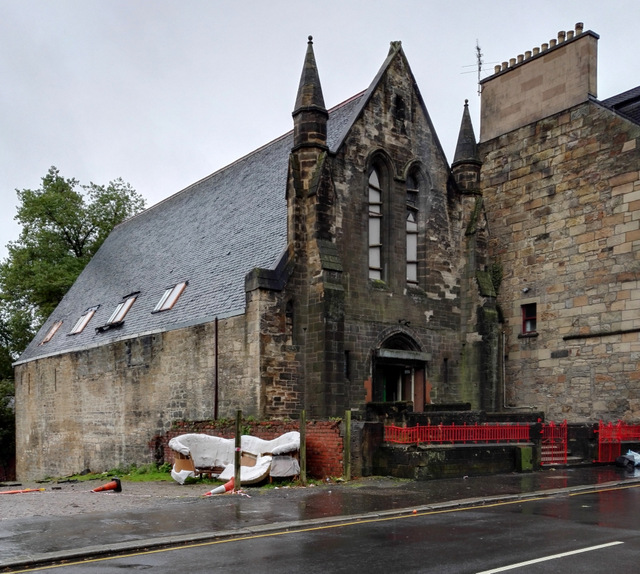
(198, 454)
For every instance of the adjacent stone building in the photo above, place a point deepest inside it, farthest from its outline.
(346, 263)
(561, 185)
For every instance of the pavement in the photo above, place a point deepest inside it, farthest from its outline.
(145, 516)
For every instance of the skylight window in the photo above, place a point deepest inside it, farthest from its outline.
(121, 310)
(169, 297)
(81, 323)
(51, 332)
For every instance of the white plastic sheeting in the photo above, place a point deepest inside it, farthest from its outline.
(210, 451)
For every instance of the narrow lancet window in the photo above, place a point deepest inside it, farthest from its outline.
(375, 226)
(412, 230)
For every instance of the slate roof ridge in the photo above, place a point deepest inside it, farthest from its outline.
(237, 161)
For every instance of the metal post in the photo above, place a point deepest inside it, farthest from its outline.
(303, 447)
(238, 454)
(347, 445)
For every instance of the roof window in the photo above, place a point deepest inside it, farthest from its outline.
(81, 323)
(117, 317)
(51, 332)
(121, 310)
(169, 297)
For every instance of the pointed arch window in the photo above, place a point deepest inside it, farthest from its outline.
(411, 228)
(375, 226)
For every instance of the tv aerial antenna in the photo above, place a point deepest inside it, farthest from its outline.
(478, 65)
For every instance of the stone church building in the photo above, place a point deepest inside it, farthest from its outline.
(347, 263)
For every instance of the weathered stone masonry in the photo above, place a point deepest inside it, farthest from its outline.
(563, 197)
(98, 407)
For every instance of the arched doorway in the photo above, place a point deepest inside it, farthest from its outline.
(399, 372)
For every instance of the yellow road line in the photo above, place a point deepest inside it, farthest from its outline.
(310, 529)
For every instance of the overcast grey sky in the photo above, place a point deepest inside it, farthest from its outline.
(164, 92)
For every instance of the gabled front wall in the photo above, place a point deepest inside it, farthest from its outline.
(340, 318)
(394, 135)
(563, 202)
(100, 408)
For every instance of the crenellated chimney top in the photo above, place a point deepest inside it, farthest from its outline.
(551, 78)
(546, 46)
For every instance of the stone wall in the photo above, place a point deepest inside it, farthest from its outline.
(419, 462)
(563, 202)
(99, 407)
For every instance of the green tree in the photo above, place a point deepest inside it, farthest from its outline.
(63, 225)
(7, 427)
(6, 371)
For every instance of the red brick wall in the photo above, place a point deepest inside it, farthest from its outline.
(325, 444)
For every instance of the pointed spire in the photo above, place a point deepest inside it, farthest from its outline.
(310, 115)
(309, 91)
(466, 149)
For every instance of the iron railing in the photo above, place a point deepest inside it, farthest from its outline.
(554, 443)
(450, 434)
(611, 436)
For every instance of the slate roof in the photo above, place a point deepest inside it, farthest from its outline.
(627, 104)
(210, 234)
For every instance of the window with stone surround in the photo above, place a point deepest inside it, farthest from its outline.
(375, 226)
(412, 229)
(81, 323)
(170, 297)
(288, 323)
(529, 318)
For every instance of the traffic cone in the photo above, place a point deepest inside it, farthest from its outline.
(113, 485)
(221, 489)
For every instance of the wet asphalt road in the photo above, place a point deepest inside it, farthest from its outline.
(198, 518)
(585, 533)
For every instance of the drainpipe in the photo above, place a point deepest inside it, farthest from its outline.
(215, 373)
